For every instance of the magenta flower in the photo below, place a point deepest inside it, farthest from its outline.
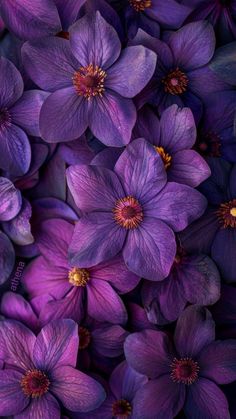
(40, 372)
(74, 289)
(183, 374)
(133, 209)
(91, 82)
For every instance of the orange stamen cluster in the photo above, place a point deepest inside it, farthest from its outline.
(89, 81)
(78, 277)
(121, 409)
(175, 82)
(35, 383)
(140, 5)
(128, 212)
(227, 214)
(166, 158)
(184, 371)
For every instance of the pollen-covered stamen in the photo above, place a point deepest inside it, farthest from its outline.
(84, 338)
(209, 145)
(184, 371)
(121, 409)
(176, 82)
(78, 277)
(227, 214)
(140, 5)
(166, 158)
(128, 212)
(5, 119)
(35, 383)
(89, 81)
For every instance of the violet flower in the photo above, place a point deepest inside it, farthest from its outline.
(183, 373)
(40, 372)
(74, 288)
(132, 209)
(19, 114)
(193, 278)
(182, 74)
(90, 81)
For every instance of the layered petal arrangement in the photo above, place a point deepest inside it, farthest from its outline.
(117, 209)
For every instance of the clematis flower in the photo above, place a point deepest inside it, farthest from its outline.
(150, 14)
(73, 288)
(132, 209)
(215, 232)
(183, 373)
(193, 278)
(220, 13)
(182, 74)
(41, 18)
(19, 114)
(40, 371)
(90, 81)
(173, 137)
(123, 385)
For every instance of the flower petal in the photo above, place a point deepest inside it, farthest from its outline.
(57, 344)
(94, 41)
(108, 341)
(195, 329)
(223, 253)
(12, 398)
(45, 407)
(11, 83)
(125, 382)
(15, 307)
(77, 391)
(15, 151)
(7, 258)
(10, 200)
(150, 249)
(19, 229)
(189, 168)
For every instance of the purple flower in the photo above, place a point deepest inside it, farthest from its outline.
(10, 200)
(41, 18)
(193, 278)
(183, 373)
(91, 82)
(19, 113)
(133, 209)
(220, 13)
(173, 137)
(124, 383)
(40, 371)
(215, 232)
(224, 63)
(72, 288)
(182, 75)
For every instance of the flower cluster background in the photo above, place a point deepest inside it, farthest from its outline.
(117, 209)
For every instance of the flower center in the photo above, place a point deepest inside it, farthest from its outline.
(63, 34)
(227, 214)
(128, 212)
(140, 5)
(78, 277)
(121, 408)
(175, 82)
(35, 383)
(166, 158)
(89, 81)
(209, 145)
(184, 371)
(5, 119)
(84, 338)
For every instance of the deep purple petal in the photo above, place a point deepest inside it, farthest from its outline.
(107, 157)
(223, 63)
(15, 307)
(10, 200)
(141, 170)
(25, 112)
(177, 205)
(150, 249)
(94, 41)
(77, 391)
(161, 396)
(49, 63)
(193, 45)
(29, 20)
(63, 116)
(223, 252)
(205, 399)
(97, 227)
(108, 341)
(217, 361)
(15, 151)
(19, 229)
(56, 345)
(68, 11)
(94, 188)
(189, 168)
(129, 83)
(104, 304)
(12, 398)
(170, 14)
(195, 329)
(147, 126)
(7, 258)
(112, 119)
(124, 381)
(11, 83)
(46, 407)
(149, 352)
